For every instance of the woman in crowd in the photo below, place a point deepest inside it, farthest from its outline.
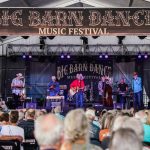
(76, 132)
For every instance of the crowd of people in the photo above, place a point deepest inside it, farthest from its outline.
(79, 129)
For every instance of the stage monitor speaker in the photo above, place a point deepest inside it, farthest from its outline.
(31, 105)
(148, 105)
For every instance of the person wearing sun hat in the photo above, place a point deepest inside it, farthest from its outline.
(137, 90)
(17, 86)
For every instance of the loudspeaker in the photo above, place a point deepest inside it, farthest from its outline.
(148, 105)
(31, 105)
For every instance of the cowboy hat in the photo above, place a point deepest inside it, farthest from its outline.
(19, 75)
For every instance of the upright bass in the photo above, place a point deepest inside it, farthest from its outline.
(108, 101)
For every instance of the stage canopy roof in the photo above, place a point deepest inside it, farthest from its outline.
(75, 3)
(106, 40)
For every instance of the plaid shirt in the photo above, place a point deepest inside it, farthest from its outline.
(16, 82)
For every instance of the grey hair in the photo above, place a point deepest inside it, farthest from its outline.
(53, 77)
(118, 122)
(123, 139)
(48, 135)
(136, 126)
(76, 125)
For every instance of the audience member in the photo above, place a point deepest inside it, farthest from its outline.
(12, 129)
(4, 118)
(106, 125)
(143, 117)
(39, 113)
(76, 132)
(123, 139)
(3, 106)
(49, 132)
(58, 114)
(94, 129)
(28, 124)
(21, 116)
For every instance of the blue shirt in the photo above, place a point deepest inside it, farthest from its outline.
(55, 90)
(146, 133)
(59, 116)
(137, 85)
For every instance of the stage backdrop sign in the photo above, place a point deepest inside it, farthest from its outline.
(91, 70)
(74, 21)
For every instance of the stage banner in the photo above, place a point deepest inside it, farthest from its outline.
(91, 70)
(74, 21)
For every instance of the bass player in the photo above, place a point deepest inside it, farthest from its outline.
(77, 89)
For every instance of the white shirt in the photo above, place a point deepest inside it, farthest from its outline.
(15, 82)
(11, 130)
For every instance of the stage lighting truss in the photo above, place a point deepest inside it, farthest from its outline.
(74, 49)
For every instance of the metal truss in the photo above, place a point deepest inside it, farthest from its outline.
(37, 49)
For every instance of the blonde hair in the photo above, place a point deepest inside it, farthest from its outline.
(57, 109)
(76, 125)
(148, 118)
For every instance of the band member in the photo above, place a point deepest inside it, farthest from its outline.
(122, 89)
(17, 86)
(108, 101)
(137, 90)
(101, 87)
(78, 87)
(53, 87)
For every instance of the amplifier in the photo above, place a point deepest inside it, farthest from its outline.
(31, 105)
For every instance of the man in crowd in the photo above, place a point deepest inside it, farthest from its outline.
(49, 132)
(122, 89)
(77, 88)
(17, 86)
(12, 129)
(28, 124)
(137, 89)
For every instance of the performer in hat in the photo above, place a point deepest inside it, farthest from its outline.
(77, 89)
(17, 86)
(137, 90)
(53, 87)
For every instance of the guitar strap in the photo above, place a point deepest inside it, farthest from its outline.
(80, 83)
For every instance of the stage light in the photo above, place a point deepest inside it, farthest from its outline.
(25, 37)
(142, 37)
(139, 55)
(120, 39)
(146, 55)
(51, 37)
(100, 55)
(24, 56)
(85, 41)
(30, 55)
(106, 55)
(68, 55)
(42, 42)
(62, 56)
(95, 37)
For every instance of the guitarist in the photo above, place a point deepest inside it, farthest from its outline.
(78, 87)
(53, 87)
